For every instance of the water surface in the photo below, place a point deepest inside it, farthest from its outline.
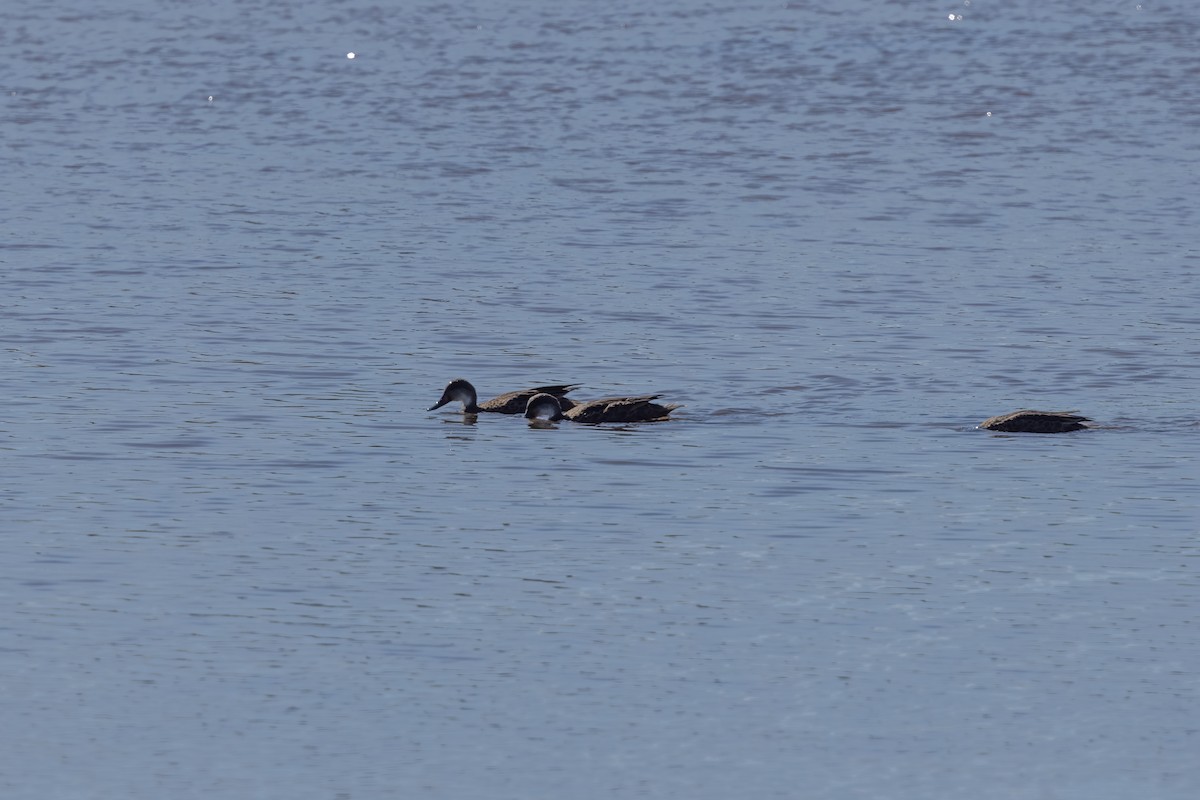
(241, 560)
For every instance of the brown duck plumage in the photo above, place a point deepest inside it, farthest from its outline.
(509, 403)
(609, 409)
(1036, 422)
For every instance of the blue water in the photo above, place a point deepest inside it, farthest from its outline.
(240, 560)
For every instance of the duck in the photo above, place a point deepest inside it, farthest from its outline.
(640, 408)
(1026, 421)
(508, 403)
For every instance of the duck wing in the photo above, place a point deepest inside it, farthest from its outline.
(640, 408)
(516, 402)
(1027, 421)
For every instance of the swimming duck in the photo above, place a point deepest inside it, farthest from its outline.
(509, 403)
(1036, 422)
(608, 409)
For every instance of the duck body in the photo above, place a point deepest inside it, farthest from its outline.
(509, 403)
(1036, 422)
(640, 408)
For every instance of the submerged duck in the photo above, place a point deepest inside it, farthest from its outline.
(510, 403)
(608, 409)
(1036, 422)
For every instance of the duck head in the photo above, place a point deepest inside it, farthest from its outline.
(458, 389)
(544, 406)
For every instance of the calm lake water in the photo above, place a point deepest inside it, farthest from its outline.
(239, 559)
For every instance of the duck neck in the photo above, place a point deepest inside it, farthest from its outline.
(469, 399)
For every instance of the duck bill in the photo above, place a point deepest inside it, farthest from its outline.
(439, 403)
